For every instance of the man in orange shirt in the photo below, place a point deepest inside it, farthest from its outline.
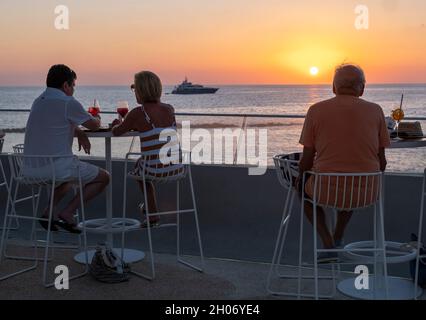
(345, 134)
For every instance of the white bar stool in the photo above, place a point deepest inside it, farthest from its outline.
(43, 175)
(164, 168)
(348, 192)
(287, 168)
(420, 256)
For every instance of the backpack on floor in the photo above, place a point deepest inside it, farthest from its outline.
(108, 267)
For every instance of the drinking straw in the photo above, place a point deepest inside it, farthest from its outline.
(402, 100)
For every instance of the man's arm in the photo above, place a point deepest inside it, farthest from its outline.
(382, 159)
(307, 139)
(92, 124)
(78, 132)
(307, 161)
(384, 140)
(76, 114)
(83, 140)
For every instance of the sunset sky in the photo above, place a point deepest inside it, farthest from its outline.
(212, 42)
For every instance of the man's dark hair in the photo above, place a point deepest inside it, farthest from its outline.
(58, 75)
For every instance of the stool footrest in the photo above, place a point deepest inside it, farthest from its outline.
(396, 249)
(105, 226)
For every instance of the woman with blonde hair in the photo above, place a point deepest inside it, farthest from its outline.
(151, 115)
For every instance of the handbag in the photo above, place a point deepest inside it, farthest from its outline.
(108, 267)
(422, 264)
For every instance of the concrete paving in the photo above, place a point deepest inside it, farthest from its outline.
(221, 280)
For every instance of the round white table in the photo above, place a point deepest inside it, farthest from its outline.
(398, 288)
(109, 226)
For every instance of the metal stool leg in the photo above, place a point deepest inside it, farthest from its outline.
(200, 246)
(420, 237)
(5, 237)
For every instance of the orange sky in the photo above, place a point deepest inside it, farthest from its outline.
(213, 42)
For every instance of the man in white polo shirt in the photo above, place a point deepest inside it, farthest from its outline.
(51, 127)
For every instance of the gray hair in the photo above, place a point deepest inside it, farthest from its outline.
(349, 78)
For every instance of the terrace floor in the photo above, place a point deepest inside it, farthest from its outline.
(222, 280)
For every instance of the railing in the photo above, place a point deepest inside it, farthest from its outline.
(237, 115)
(243, 125)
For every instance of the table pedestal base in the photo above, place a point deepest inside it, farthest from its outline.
(130, 255)
(398, 289)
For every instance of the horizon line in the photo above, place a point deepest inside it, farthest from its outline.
(225, 84)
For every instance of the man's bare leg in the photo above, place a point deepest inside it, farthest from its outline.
(60, 193)
(343, 218)
(322, 229)
(90, 190)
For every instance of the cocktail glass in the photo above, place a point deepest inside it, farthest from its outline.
(122, 109)
(95, 110)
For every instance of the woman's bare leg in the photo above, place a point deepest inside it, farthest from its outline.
(152, 200)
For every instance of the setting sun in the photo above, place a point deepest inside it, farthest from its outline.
(314, 71)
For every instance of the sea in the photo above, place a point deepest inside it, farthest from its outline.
(282, 133)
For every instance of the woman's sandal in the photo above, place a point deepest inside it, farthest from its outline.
(153, 222)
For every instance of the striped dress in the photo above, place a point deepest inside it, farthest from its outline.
(161, 153)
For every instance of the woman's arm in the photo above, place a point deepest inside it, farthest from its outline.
(172, 113)
(127, 125)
